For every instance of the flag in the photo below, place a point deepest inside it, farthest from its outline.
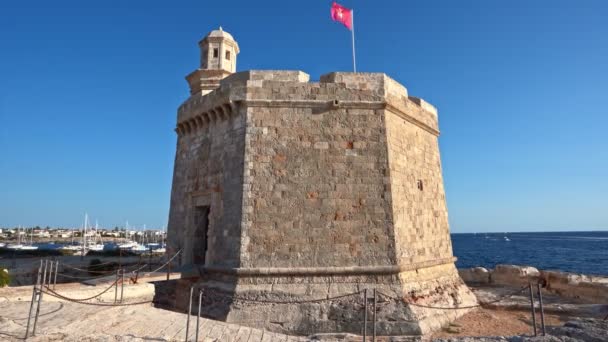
(342, 14)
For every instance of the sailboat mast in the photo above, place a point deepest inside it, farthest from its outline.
(84, 233)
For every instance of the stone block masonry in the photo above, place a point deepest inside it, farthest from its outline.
(289, 190)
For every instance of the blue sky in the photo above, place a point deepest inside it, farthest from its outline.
(89, 90)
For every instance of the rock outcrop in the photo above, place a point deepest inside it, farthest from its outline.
(592, 289)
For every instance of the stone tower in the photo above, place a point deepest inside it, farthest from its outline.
(218, 60)
(286, 191)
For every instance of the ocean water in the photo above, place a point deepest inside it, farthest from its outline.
(578, 252)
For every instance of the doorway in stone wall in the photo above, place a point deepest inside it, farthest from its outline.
(201, 234)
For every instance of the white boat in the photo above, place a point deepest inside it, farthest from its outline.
(19, 246)
(139, 249)
(507, 239)
(31, 246)
(95, 245)
(2, 244)
(71, 248)
(14, 246)
(127, 245)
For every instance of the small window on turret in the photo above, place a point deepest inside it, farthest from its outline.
(216, 53)
(228, 55)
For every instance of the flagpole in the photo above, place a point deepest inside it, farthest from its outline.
(352, 18)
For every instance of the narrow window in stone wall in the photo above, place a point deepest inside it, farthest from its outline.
(420, 185)
(227, 55)
(216, 53)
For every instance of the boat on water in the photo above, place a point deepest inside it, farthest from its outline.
(507, 239)
(127, 245)
(23, 247)
(14, 246)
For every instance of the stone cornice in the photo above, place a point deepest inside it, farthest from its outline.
(327, 271)
(207, 115)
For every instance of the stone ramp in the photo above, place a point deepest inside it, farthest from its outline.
(66, 321)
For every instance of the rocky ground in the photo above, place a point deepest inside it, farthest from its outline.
(567, 321)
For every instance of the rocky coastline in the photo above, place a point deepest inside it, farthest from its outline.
(587, 288)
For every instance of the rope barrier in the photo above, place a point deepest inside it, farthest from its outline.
(166, 263)
(455, 308)
(89, 298)
(89, 271)
(81, 278)
(50, 293)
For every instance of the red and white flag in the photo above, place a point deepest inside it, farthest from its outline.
(342, 14)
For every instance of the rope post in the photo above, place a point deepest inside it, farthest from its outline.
(29, 316)
(56, 270)
(51, 266)
(189, 312)
(116, 286)
(198, 314)
(37, 310)
(122, 284)
(374, 316)
(46, 263)
(532, 308)
(542, 310)
(168, 269)
(364, 315)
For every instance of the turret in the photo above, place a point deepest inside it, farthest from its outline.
(218, 60)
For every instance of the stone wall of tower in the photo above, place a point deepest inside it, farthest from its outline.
(417, 194)
(208, 171)
(316, 181)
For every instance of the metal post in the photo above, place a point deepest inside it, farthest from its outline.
(168, 269)
(56, 270)
(374, 315)
(116, 286)
(29, 317)
(532, 308)
(542, 311)
(198, 314)
(122, 284)
(365, 315)
(189, 312)
(46, 263)
(51, 266)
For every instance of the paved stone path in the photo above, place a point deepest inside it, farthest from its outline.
(65, 321)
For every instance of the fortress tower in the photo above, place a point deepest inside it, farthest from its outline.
(218, 60)
(286, 190)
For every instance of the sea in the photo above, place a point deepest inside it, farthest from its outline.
(577, 252)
